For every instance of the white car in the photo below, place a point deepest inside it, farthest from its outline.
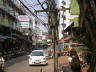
(37, 57)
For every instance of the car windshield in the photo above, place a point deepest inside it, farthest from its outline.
(37, 54)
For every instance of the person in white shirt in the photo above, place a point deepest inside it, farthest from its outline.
(70, 59)
(1, 63)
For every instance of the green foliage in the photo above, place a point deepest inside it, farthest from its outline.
(85, 39)
(76, 22)
(74, 7)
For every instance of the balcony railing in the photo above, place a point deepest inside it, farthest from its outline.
(16, 4)
(1, 4)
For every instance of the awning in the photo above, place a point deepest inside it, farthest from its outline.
(6, 37)
(69, 27)
(65, 39)
(3, 37)
(12, 38)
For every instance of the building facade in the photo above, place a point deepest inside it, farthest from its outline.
(70, 13)
(12, 42)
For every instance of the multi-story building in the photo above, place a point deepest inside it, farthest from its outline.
(10, 36)
(71, 14)
(8, 20)
(64, 22)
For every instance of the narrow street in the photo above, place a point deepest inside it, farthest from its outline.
(62, 30)
(21, 65)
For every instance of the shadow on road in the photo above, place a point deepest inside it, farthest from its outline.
(38, 65)
(66, 69)
(16, 60)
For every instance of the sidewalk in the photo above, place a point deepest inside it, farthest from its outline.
(63, 62)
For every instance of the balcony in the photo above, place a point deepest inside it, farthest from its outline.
(17, 6)
(1, 4)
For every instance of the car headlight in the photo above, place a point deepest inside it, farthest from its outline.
(44, 58)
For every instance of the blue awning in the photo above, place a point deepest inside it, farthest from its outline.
(6, 37)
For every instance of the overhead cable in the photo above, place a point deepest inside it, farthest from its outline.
(32, 12)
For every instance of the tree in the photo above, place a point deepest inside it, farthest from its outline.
(88, 20)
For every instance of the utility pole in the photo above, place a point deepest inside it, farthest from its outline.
(52, 12)
(53, 26)
(54, 42)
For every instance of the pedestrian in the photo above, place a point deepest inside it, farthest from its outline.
(75, 65)
(1, 63)
(70, 59)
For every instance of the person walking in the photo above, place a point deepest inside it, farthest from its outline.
(75, 64)
(70, 59)
(1, 63)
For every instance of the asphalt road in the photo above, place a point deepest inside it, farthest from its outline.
(21, 65)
